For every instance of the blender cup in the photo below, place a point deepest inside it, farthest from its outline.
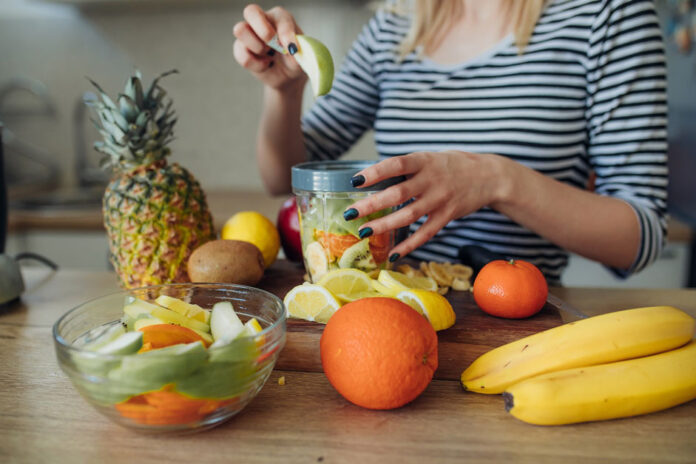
(329, 242)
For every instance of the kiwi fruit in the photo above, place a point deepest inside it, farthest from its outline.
(226, 261)
(358, 256)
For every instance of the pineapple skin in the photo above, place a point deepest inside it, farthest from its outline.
(155, 215)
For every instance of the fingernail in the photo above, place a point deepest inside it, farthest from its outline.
(357, 181)
(350, 214)
(270, 52)
(270, 65)
(365, 232)
(292, 48)
(394, 257)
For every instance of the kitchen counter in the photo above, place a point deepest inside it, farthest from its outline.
(222, 204)
(45, 420)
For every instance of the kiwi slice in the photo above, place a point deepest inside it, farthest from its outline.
(358, 256)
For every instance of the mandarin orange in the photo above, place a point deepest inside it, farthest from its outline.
(379, 353)
(512, 289)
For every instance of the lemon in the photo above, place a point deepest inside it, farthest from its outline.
(348, 284)
(311, 302)
(315, 60)
(397, 281)
(384, 290)
(433, 306)
(257, 229)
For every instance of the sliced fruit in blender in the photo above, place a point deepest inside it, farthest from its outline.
(316, 259)
(358, 256)
(336, 244)
(311, 302)
(315, 60)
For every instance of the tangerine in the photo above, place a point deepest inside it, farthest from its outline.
(513, 289)
(379, 353)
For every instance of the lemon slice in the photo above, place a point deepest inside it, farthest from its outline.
(384, 290)
(398, 281)
(348, 284)
(433, 306)
(311, 302)
(315, 60)
(358, 296)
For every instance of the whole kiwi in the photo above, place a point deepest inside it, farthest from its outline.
(226, 261)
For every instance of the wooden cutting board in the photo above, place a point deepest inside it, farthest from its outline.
(473, 334)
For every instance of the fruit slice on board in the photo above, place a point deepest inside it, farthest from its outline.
(315, 60)
(396, 280)
(311, 302)
(344, 283)
(433, 306)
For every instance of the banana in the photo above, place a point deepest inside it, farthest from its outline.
(601, 339)
(607, 391)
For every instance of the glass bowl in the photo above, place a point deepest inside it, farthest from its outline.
(182, 389)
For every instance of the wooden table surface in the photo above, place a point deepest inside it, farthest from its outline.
(43, 419)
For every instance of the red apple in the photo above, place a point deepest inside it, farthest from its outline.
(288, 224)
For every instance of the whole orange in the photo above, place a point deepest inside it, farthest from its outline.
(512, 289)
(379, 353)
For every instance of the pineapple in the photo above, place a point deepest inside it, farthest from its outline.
(155, 213)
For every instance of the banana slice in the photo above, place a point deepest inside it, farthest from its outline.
(317, 261)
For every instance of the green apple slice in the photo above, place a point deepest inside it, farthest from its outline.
(225, 325)
(153, 369)
(144, 322)
(315, 60)
(92, 362)
(128, 343)
(100, 336)
(139, 309)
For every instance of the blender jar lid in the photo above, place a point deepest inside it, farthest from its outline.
(334, 176)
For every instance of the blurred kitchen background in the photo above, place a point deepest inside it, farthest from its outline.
(49, 47)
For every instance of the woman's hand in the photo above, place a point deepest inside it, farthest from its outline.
(444, 186)
(250, 50)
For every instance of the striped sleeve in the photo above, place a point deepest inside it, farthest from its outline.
(627, 118)
(337, 120)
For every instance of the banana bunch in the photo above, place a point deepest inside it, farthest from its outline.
(614, 365)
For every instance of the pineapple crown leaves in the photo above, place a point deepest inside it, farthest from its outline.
(137, 127)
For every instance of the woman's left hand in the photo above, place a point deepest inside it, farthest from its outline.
(444, 185)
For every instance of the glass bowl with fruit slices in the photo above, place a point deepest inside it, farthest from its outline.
(324, 192)
(172, 358)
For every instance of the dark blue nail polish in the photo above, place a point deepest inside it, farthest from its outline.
(350, 214)
(270, 52)
(394, 257)
(357, 181)
(292, 48)
(365, 232)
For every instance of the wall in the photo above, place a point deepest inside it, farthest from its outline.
(217, 100)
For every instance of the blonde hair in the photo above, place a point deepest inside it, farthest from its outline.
(430, 19)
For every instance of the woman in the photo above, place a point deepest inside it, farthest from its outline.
(502, 111)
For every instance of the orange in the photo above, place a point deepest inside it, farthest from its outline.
(512, 289)
(161, 335)
(379, 353)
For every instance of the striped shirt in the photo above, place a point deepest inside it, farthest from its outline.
(587, 95)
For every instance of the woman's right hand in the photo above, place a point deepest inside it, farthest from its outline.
(275, 70)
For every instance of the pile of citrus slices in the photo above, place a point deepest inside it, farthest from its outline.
(318, 302)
